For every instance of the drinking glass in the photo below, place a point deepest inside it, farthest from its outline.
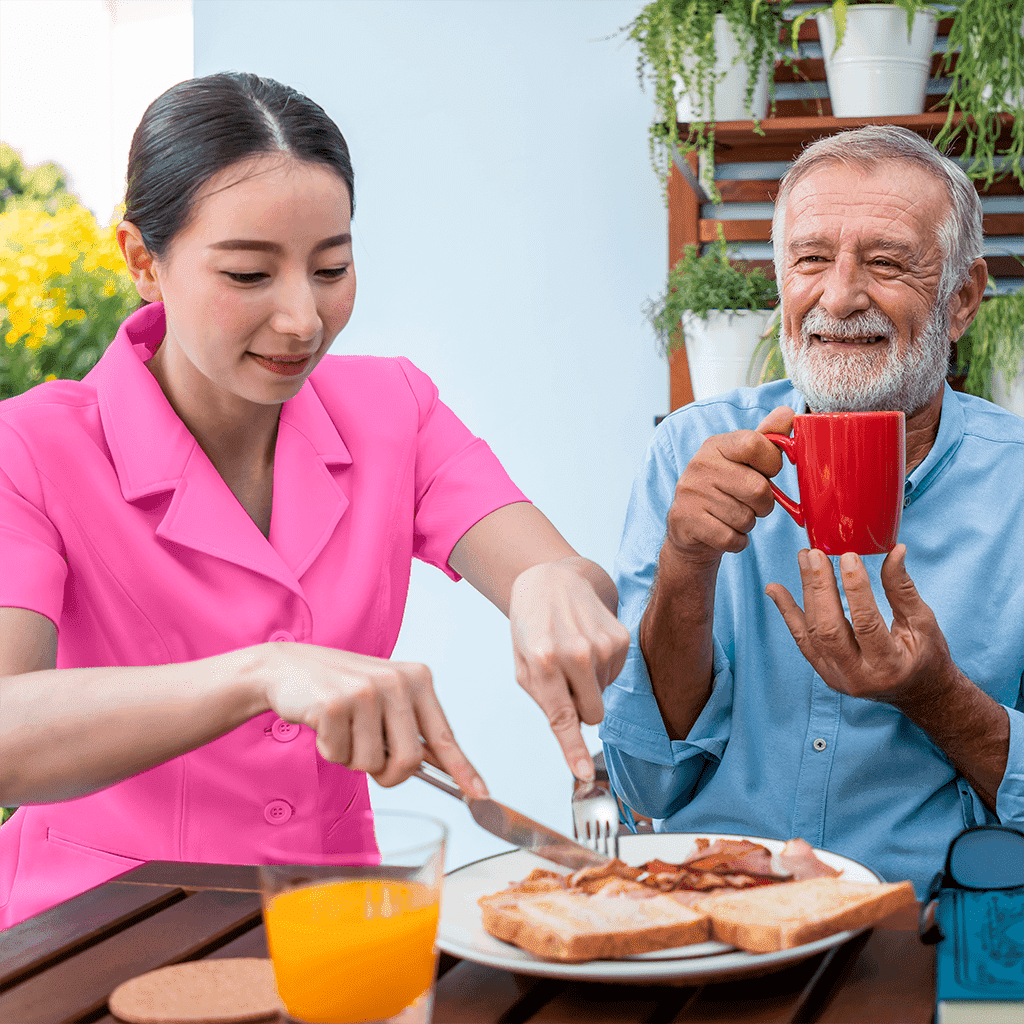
(352, 936)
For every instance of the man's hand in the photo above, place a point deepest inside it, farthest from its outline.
(724, 489)
(904, 665)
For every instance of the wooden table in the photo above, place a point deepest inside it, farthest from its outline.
(62, 965)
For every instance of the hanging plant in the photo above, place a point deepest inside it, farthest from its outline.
(677, 55)
(994, 343)
(987, 83)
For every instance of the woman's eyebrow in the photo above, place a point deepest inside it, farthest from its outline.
(255, 245)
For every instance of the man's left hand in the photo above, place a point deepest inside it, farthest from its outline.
(862, 656)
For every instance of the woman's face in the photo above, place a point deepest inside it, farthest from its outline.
(257, 285)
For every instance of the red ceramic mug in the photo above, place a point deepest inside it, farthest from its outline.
(850, 468)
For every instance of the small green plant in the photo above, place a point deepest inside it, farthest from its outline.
(677, 55)
(839, 9)
(699, 283)
(5, 813)
(994, 343)
(987, 42)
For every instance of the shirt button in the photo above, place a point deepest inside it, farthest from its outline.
(819, 744)
(906, 501)
(282, 634)
(283, 731)
(277, 812)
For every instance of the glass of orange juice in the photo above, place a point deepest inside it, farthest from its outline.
(351, 936)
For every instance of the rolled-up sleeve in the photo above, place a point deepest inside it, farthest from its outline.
(33, 567)
(459, 480)
(652, 773)
(1010, 795)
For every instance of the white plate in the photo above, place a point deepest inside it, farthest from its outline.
(461, 931)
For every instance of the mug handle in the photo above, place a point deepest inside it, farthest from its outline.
(788, 446)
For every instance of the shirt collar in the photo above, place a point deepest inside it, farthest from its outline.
(149, 444)
(947, 440)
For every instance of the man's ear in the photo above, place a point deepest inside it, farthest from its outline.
(141, 265)
(966, 300)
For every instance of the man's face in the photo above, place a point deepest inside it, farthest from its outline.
(861, 269)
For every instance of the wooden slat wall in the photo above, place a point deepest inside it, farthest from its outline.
(744, 175)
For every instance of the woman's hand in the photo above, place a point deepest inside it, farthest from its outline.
(369, 714)
(568, 646)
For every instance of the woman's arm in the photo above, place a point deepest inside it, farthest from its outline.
(68, 732)
(567, 643)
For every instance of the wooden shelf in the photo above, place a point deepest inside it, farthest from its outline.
(784, 137)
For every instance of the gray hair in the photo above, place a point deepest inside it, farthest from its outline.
(959, 235)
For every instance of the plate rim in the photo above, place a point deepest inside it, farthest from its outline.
(718, 966)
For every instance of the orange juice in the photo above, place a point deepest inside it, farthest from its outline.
(352, 951)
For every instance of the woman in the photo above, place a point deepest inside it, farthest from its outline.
(218, 524)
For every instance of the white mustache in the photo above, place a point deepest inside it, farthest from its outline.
(869, 324)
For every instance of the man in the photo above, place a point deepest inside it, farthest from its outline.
(883, 717)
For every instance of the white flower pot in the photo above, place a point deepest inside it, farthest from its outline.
(1009, 395)
(719, 349)
(877, 72)
(731, 92)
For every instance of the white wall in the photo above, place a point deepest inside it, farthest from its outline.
(73, 86)
(508, 228)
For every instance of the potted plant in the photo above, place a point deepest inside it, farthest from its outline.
(706, 60)
(719, 310)
(877, 55)
(987, 83)
(992, 351)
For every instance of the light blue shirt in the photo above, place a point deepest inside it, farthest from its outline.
(776, 752)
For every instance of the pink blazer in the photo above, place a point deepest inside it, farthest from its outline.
(115, 525)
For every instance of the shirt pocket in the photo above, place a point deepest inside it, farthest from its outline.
(76, 845)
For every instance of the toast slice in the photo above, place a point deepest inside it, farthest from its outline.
(572, 926)
(773, 917)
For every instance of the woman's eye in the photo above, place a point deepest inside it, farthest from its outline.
(245, 278)
(333, 273)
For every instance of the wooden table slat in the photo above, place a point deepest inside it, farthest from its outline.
(470, 993)
(75, 923)
(894, 961)
(611, 1004)
(81, 985)
(240, 877)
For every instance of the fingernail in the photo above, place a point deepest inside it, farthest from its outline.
(848, 561)
(584, 770)
(479, 789)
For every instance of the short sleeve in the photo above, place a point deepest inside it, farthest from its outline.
(459, 480)
(33, 566)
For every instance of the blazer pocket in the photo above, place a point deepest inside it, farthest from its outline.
(111, 856)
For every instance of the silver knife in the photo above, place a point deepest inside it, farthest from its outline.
(516, 828)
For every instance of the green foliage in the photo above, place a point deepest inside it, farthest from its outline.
(700, 283)
(988, 39)
(676, 44)
(5, 813)
(44, 185)
(994, 343)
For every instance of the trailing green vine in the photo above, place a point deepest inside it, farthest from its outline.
(677, 55)
(987, 40)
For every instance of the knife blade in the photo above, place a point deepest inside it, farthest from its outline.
(514, 827)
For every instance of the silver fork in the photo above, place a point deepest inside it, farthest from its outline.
(595, 817)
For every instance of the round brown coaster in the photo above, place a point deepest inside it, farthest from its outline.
(222, 991)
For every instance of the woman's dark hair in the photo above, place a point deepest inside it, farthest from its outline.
(199, 127)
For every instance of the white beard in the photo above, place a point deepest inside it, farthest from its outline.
(865, 379)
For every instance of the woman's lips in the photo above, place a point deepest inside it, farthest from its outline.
(284, 367)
